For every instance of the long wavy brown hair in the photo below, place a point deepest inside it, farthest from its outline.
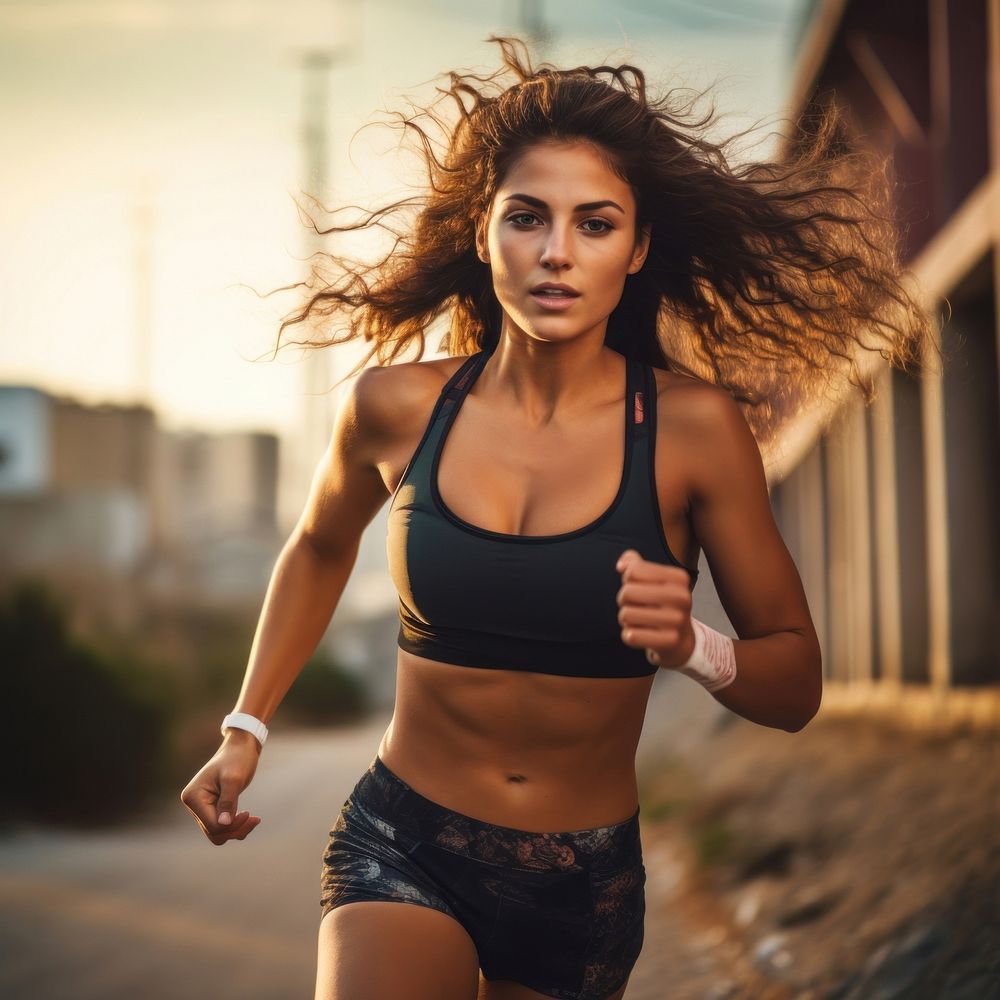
(771, 279)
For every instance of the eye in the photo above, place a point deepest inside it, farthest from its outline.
(521, 215)
(603, 223)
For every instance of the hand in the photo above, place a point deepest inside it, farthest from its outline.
(655, 608)
(211, 795)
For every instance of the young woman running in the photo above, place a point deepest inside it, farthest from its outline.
(551, 483)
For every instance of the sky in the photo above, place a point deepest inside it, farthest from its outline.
(162, 138)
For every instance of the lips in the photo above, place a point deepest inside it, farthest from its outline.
(551, 300)
(555, 289)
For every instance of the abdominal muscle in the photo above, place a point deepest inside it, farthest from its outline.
(533, 751)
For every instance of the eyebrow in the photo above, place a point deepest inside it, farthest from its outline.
(589, 206)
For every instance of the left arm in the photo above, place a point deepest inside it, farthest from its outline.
(778, 679)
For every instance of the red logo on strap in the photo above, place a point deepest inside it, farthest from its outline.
(638, 408)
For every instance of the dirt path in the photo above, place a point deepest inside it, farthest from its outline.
(690, 950)
(154, 910)
(854, 859)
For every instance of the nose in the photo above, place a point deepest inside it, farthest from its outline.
(556, 252)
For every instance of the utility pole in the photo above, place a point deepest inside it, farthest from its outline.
(531, 23)
(311, 435)
(142, 334)
(317, 368)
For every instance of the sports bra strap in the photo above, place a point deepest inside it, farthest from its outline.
(642, 405)
(455, 387)
(640, 380)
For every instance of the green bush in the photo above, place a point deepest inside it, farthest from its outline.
(107, 729)
(715, 842)
(323, 693)
(81, 744)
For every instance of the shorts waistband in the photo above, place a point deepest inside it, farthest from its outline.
(384, 792)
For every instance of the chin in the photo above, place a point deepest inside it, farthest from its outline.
(555, 328)
(554, 336)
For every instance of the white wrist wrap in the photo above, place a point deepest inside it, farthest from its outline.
(243, 720)
(713, 661)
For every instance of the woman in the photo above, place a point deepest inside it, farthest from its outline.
(573, 229)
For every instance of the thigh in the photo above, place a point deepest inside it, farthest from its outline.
(382, 950)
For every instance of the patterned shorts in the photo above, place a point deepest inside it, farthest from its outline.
(561, 913)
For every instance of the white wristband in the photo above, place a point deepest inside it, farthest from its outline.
(713, 661)
(242, 720)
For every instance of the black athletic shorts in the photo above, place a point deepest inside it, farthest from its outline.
(561, 913)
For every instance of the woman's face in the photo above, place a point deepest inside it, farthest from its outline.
(561, 215)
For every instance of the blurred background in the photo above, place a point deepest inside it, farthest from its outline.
(155, 453)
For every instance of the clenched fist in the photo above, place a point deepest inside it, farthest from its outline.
(654, 608)
(211, 795)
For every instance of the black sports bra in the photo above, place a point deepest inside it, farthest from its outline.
(544, 603)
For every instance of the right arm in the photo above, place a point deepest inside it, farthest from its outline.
(313, 568)
(308, 579)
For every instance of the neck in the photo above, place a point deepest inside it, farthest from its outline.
(545, 380)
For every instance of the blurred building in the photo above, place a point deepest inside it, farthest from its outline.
(74, 485)
(213, 515)
(891, 512)
(114, 510)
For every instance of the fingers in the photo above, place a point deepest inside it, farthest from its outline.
(656, 594)
(627, 557)
(632, 566)
(239, 829)
(639, 616)
(651, 637)
(654, 602)
(242, 824)
(651, 626)
(208, 800)
(229, 792)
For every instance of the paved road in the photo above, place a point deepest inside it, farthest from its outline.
(161, 913)
(157, 912)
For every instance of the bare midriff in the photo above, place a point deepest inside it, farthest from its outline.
(533, 751)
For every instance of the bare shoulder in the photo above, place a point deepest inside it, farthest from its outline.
(707, 430)
(692, 403)
(390, 399)
(374, 425)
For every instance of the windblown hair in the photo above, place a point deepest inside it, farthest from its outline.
(769, 279)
